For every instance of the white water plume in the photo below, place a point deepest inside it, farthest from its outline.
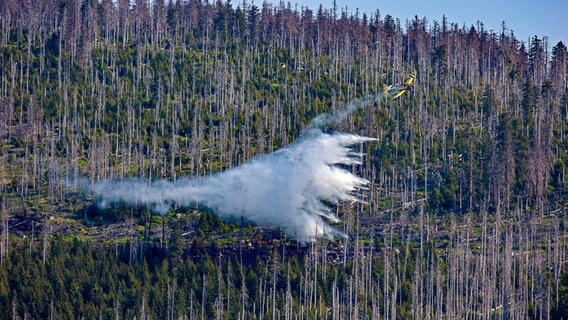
(285, 189)
(291, 188)
(328, 119)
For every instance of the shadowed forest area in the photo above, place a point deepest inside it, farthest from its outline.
(465, 213)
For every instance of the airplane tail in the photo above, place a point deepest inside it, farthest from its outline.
(410, 80)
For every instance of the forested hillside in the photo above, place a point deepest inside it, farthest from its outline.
(465, 212)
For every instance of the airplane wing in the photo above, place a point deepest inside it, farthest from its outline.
(400, 93)
(387, 88)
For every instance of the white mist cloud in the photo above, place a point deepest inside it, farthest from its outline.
(288, 188)
(284, 189)
(328, 119)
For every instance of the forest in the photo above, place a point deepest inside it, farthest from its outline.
(464, 216)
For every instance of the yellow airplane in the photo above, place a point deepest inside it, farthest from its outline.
(397, 90)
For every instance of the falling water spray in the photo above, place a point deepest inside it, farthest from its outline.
(291, 188)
